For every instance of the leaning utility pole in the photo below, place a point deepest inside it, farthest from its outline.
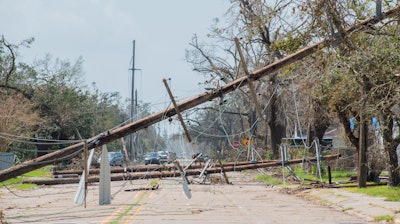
(115, 134)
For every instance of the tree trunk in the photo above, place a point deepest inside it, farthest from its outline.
(362, 155)
(276, 127)
(394, 169)
(391, 150)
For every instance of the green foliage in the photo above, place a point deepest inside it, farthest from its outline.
(68, 109)
(290, 44)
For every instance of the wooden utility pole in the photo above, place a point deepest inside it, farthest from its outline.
(251, 86)
(176, 173)
(178, 113)
(112, 135)
(132, 149)
(222, 167)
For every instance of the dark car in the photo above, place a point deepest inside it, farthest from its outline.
(115, 159)
(152, 158)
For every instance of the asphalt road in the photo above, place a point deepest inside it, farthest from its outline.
(243, 201)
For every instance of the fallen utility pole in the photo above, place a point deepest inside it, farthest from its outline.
(178, 173)
(112, 135)
(147, 168)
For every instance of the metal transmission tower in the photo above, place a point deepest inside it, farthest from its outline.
(132, 137)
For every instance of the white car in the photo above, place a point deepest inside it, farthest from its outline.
(164, 156)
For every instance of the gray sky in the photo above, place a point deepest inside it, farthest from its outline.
(102, 33)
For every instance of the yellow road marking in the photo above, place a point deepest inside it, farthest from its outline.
(139, 196)
(138, 209)
(114, 214)
(151, 195)
(134, 214)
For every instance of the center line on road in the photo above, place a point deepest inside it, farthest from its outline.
(125, 209)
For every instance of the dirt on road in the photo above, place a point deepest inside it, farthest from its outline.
(245, 200)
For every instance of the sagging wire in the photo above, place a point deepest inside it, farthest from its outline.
(200, 133)
(36, 141)
(221, 111)
(297, 115)
(18, 149)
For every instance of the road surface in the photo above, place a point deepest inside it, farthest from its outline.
(244, 201)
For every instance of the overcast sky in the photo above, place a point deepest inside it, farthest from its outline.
(102, 33)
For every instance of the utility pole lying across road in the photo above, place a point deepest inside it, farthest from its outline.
(125, 130)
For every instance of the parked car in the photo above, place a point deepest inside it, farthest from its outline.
(115, 159)
(164, 156)
(199, 157)
(152, 158)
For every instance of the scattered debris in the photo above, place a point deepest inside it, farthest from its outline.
(152, 188)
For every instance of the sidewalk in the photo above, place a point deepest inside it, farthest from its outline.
(356, 204)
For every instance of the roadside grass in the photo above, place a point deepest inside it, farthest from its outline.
(269, 180)
(386, 218)
(338, 176)
(17, 182)
(308, 176)
(387, 192)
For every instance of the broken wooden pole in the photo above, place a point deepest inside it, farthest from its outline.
(175, 173)
(126, 159)
(222, 167)
(112, 135)
(251, 86)
(178, 113)
(147, 168)
(181, 171)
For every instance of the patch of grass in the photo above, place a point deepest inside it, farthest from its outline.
(347, 209)
(336, 175)
(153, 183)
(42, 172)
(308, 176)
(341, 175)
(17, 181)
(387, 192)
(269, 180)
(386, 218)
